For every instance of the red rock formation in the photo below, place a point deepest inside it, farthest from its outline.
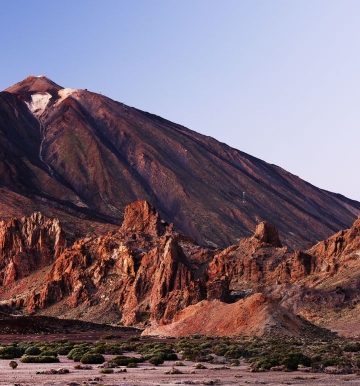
(267, 234)
(142, 268)
(28, 244)
(142, 217)
(252, 316)
(342, 243)
(148, 274)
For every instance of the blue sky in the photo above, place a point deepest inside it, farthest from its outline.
(277, 79)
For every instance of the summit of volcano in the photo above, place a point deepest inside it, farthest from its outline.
(82, 157)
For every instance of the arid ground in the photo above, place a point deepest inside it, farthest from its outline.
(147, 374)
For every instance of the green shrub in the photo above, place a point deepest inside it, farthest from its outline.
(64, 350)
(131, 365)
(134, 339)
(11, 352)
(76, 353)
(192, 354)
(205, 358)
(99, 350)
(32, 350)
(122, 360)
(167, 356)
(220, 349)
(92, 358)
(268, 362)
(39, 359)
(233, 353)
(205, 345)
(156, 361)
(48, 353)
(171, 357)
(113, 349)
(293, 360)
(335, 361)
(352, 347)
(106, 371)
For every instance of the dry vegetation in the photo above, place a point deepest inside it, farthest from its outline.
(192, 360)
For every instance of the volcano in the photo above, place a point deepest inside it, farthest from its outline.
(82, 157)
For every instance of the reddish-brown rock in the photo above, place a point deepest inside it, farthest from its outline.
(148, 274)
(142, 217)
(27, 245)
(267, 234)
(252, 316)
(140, 274)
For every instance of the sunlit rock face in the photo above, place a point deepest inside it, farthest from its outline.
(147, 274)
(28, 244)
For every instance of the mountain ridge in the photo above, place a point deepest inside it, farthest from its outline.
(95, 155)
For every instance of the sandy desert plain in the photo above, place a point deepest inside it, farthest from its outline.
(147, 374)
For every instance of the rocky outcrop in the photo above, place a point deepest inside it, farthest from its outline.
(345, 242)
(141, 217)
(252, 316)
(148, 274)
(142, 271)
(27, 245)
(267, 235)
(258, 262)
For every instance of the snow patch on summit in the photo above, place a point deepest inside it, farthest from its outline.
(64, 93)
(38, 103)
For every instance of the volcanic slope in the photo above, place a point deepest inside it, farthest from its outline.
(75, 154)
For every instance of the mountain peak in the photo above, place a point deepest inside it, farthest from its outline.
(99, 155)
(34, 84)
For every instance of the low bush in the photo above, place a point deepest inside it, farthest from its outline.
(167, 356)
(113, 349)
(156, 360)
(122, 360)
(13, 365)
(11, 352)
(335, 361)
(92, 358)
(64, 350)
(39, 359)
(83, 367)
(76, 353)
(134, 339)
(220, 349)
(32, 350)
(352, 347)
(99, 350)
(234, 353)
(106, 371)
(48, 353)
(293, 360)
